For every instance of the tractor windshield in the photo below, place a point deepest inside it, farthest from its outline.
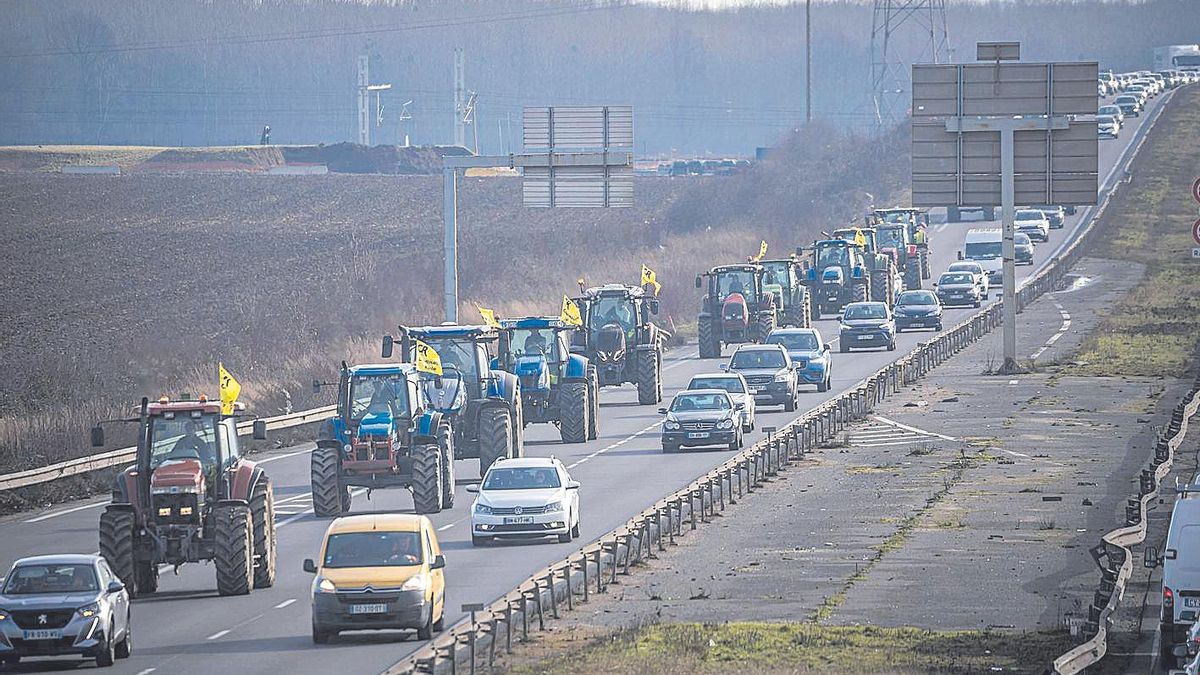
(458, 358)
(895, 217)
(376, 394)
(182, 436)
(736, 281)
(533, 342)
(778, 273)
(609, 309)
(832, 256)
(891, 237)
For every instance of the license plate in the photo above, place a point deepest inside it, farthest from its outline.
(518, 520)
(1191, 602)
(864, 337)
(698, 434)
(41, 634)
(756, 392)
(916, 323)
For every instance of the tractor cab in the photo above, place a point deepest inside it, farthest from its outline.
(376, 409)
(837, 275)
(835, 253)
(869, 237)
(914, 220)
(737, 290)
(620, 339)
(464, 354)
(536, 350)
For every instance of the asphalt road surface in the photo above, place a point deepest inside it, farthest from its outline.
(186, 628)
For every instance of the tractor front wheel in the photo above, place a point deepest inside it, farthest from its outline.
(710, 344)
(327, 491)
(926, 271)
(861, 291)
(427, 479)
(573, 412)
(649, 376)
(262, 511)
(495, 436)
(116, 545)
(594, 403)
(446, 447)
(763, 325)
(233, 554)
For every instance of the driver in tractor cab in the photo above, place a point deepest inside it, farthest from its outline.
(383, 400)
(535, 343)
(192, 445)
(620, 314)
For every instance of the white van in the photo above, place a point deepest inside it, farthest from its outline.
(1180, 561)
(986, 247)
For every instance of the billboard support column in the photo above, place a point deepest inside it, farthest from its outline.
(1007, 215)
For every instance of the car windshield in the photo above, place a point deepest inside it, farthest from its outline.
(533, 342)
(1126, 99)
(378, 394)
(610, 309)
(983, 249)
(1106, 119)
(956, 278)
(33, 579)
(735, 281)
(692, 402)
(756, 358)
(521, 478)
(732, 385)
(917, 298)
(795, 342)
(866, 311)
(182, 436)
(1022, 239)
(1029, 214)
(373, 549)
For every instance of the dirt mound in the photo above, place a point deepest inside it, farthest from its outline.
(250, 158)
(386, 159)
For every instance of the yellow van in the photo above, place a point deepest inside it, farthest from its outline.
(378, 571)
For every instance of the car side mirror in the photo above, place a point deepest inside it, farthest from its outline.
(573, 485)
(1170, 554)
(97, 436)
(960, 255)
(260, 430)
(739, 406)
(115, 586)
(439, 562)
(310, 566)
(387, 346)
(935, 284)
(1180, 651)
(828, 347)
(698, 283)
(473, 489)
(1150, 557)
(662, 411)
(724, 367)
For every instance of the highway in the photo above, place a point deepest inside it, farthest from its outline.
(187, 628)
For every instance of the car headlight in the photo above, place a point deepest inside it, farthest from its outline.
(671, 426)
(782, 376)
(3, 614)
(483, 509)
(553, 507)
(415, 583)
(726, 423)
(88, 611)
(325, 586)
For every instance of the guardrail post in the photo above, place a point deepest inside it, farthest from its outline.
(616, 547)
(508, 626)
(553, 595)
(599, 570)
(538, 596)
(584, 565)
(691, 509)
(492, 622)
(570, 591)
(524, 616)
(658, 520)
(628, 551)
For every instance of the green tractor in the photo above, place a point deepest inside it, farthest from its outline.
(886, 281)
(916, 222)
(784, 279)
(836, 275)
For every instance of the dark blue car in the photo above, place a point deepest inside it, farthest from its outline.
(918, 309)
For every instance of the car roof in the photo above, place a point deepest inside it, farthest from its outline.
(868, 303)
(735, 375)
(527, 462)
(373, 522)
(702, 391)
(960, 264)
(59, 559)
(757, 347)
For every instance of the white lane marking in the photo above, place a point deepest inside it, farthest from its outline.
(1066, 326)
(218, 635)
(285, 500)
(910, 441)
(1012, 381)
(1014, 453)
(450, 525)
(691, 358)
(912, 429)
(285, 603)
(278, 457)
(147, 671)
(618, 444)
(355, 492)
(55, 514)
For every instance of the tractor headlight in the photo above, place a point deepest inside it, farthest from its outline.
(88, 611)
(726, 423)
(347, 448)
(415, 583)
(325, 586)
(483, 509)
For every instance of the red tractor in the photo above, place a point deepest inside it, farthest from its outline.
(191, 497)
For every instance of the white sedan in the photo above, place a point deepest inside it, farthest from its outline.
(735, 385)
(1034, 223)
(525, 498)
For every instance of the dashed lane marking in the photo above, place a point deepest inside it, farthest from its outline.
(450, 525)
(285, 603)
(147, 671)
(1012, 382)
(218, 635)
(613, 446)
(63, 512)
(915, 430)
(1066, 326)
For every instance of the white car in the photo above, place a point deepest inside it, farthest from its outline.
(734, 385)
(1113, 111)
(977, 271)
(525, 498)
(1034, 223)
(1107, 126)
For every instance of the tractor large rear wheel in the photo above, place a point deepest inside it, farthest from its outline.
(116, 545)
(327, 491)
(262, 511)
(710, 343)
(593, 383)
(926, 271)
(446, 446)
(495, 436)
(233, 550)
(880, 285)
(861, 291)
(763, 325)
(427, 479)
(814, 305)
(912, 276)
(573, 412)
(649, 377)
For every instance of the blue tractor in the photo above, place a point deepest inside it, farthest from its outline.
(483, 405)
(557, 386)
(385, 434)
(835, 275)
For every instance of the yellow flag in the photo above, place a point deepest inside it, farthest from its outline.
(649, 277)
(860, 239)
(570, 313)
(428, 360)
(229, 389)
(489, 317)
(762, 251)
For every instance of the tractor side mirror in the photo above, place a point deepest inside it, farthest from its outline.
(699, 284)
(387, 346)
(260, 430)
(662, 411)
(473, 489)
(654, 306)
(310, 566)
(97, 436)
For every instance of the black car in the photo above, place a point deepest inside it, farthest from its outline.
(1055, 214)
(1023, 249)
(702, 417)
(867, 324)
(958, 288)
(918, 309)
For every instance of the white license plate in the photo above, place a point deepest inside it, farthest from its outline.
(698, 434)
(518, 520)
(375, 608)
(864, 337)
(916, 323)
(756, 392)
(41, 634)
(1191, 602)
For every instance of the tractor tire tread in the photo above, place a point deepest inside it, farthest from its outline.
(325, 484)
(233, 550)
(427, 479)
(573, 409)
(262, 513)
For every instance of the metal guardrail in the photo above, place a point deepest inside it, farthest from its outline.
(121, 456)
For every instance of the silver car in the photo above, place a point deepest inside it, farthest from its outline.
(58, 605)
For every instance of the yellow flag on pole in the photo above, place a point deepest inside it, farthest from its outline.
(428, 360)
(762, 251)
(229, 389)
(860, 239)
(649, 277)
(489, 317)
(570, 313)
